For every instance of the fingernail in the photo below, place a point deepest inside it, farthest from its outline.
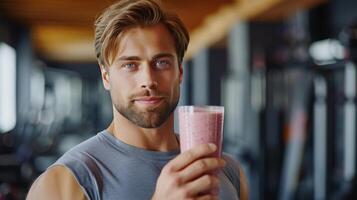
(212, 146)
(222, 162)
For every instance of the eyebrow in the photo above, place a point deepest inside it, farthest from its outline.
(161, 55)
(136, 58)
(123, 58)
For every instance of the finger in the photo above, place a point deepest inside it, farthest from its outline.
(214, 191)
(207, 197)
(186, 158)
(201, 167)
(202, 185)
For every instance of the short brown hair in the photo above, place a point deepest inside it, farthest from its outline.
(126, 14)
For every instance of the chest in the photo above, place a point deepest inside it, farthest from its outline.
(136, 179)
(130, 179)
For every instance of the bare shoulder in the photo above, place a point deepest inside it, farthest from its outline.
(56, 182)
(243, 184)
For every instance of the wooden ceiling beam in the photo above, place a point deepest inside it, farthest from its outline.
(62, 30)
(218, 25)
(60, 43)
(37, 12)
(283, 9)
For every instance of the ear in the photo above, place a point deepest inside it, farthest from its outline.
(181, 73)
(105, 76)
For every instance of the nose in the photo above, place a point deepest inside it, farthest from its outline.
(147, 78)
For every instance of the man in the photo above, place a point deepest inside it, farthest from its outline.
(140, 49)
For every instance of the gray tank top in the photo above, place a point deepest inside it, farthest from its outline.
(109, 169)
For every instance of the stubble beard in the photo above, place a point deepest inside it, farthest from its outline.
(151, 118)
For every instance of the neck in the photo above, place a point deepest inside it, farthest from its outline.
(162, 138)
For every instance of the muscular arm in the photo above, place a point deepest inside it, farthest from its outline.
(243, 185)
(56, 183)
(236, 175)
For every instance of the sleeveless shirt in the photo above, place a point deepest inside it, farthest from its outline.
(108, 169)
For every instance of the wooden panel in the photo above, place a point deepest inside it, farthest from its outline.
(219, 24)
(83, 12)
(283, 10)
(63, 12)
(60, 43)
(58, 23)
(193, 13)
(62, 29)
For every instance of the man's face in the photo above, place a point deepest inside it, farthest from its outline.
(144, 79)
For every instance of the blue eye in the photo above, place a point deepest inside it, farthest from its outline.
(129, 66)
(162, 64)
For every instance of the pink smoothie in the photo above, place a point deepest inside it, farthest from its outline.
(200, 125)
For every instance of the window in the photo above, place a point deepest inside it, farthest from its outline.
(7, 88)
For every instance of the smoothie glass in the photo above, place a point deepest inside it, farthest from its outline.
(201, 125)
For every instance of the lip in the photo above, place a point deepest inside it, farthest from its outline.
(149, 100)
